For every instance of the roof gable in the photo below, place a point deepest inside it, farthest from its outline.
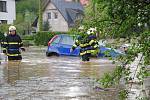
(69, 10)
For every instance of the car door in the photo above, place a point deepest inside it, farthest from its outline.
(65, 45)
(54, 46)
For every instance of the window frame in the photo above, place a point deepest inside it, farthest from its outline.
(3, 21)
(3, 8)
(58, 40)
(49, 15)
(55, 15)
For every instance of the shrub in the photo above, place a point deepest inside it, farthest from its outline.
(28, 40)
(4, 28)
(42, 38)
(28, 37)
(1, 36)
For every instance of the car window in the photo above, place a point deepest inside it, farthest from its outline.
(56, 40)
(67, 40)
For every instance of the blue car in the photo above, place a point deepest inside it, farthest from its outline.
(62, 43)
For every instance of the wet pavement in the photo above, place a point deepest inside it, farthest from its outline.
(39, 77)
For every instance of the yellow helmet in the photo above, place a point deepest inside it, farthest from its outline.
(12, 28)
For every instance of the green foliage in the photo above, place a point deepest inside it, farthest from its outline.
(111, 79)
(4, 28)
(144, 45)
(129, 19)
(42, 38)
(2, 36)
(142, 74)
(40, 19)
(23, 5)
(27, 43)
(106, 81)
(123, 94)
(28, 37)
(46, 26)
(118, 18)
(26, 14)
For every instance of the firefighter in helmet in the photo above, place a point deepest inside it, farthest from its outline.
(12, 45)
(94, 46)
(83, 42)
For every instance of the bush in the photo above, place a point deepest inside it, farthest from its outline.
(4, 28)
(28, 37)
(1, 36)
(27, 43)
(42, 38)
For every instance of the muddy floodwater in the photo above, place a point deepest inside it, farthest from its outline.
(38, 77)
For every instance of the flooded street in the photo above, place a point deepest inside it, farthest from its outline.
(39, 77)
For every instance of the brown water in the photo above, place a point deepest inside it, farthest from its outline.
(38, 77)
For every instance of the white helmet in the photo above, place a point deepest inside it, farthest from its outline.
(12, 28)
(91, 31)
(81, 28)
(125, 45)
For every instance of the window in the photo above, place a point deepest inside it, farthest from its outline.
(49, 15)
(67, 40)
(55, 15)
(79, 17)
(2, 6)
(72, 0)
(3, 21)
(56, 40)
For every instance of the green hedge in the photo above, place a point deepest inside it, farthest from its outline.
(42, 38)
(28, 37)
(1, 36)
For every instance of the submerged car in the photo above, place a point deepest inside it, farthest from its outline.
(62, 43)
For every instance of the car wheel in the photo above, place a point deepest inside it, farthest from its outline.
(54, 54)
(51, 54)
(47, 54)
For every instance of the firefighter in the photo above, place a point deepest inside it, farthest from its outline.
(94, 46)
(12, 45)
(85, 43)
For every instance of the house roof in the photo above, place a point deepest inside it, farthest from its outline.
(84, 2)
(69, 10)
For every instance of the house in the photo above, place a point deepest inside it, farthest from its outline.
(7, 11)
(61, 14)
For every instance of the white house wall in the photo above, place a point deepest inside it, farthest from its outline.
(59, 24)
(10, 15)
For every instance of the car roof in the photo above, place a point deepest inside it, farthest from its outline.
(72, 35)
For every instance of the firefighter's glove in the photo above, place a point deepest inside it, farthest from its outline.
(23, 49)
(4, 51)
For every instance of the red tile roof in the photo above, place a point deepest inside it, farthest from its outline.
(84, 2)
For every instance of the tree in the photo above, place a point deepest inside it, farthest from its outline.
(120, 17)
(46, 26)
(123, 18)
(40, 16)
(26, 15)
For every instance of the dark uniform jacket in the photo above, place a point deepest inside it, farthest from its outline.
(87, 43)
(94, 45)
(11, 46)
